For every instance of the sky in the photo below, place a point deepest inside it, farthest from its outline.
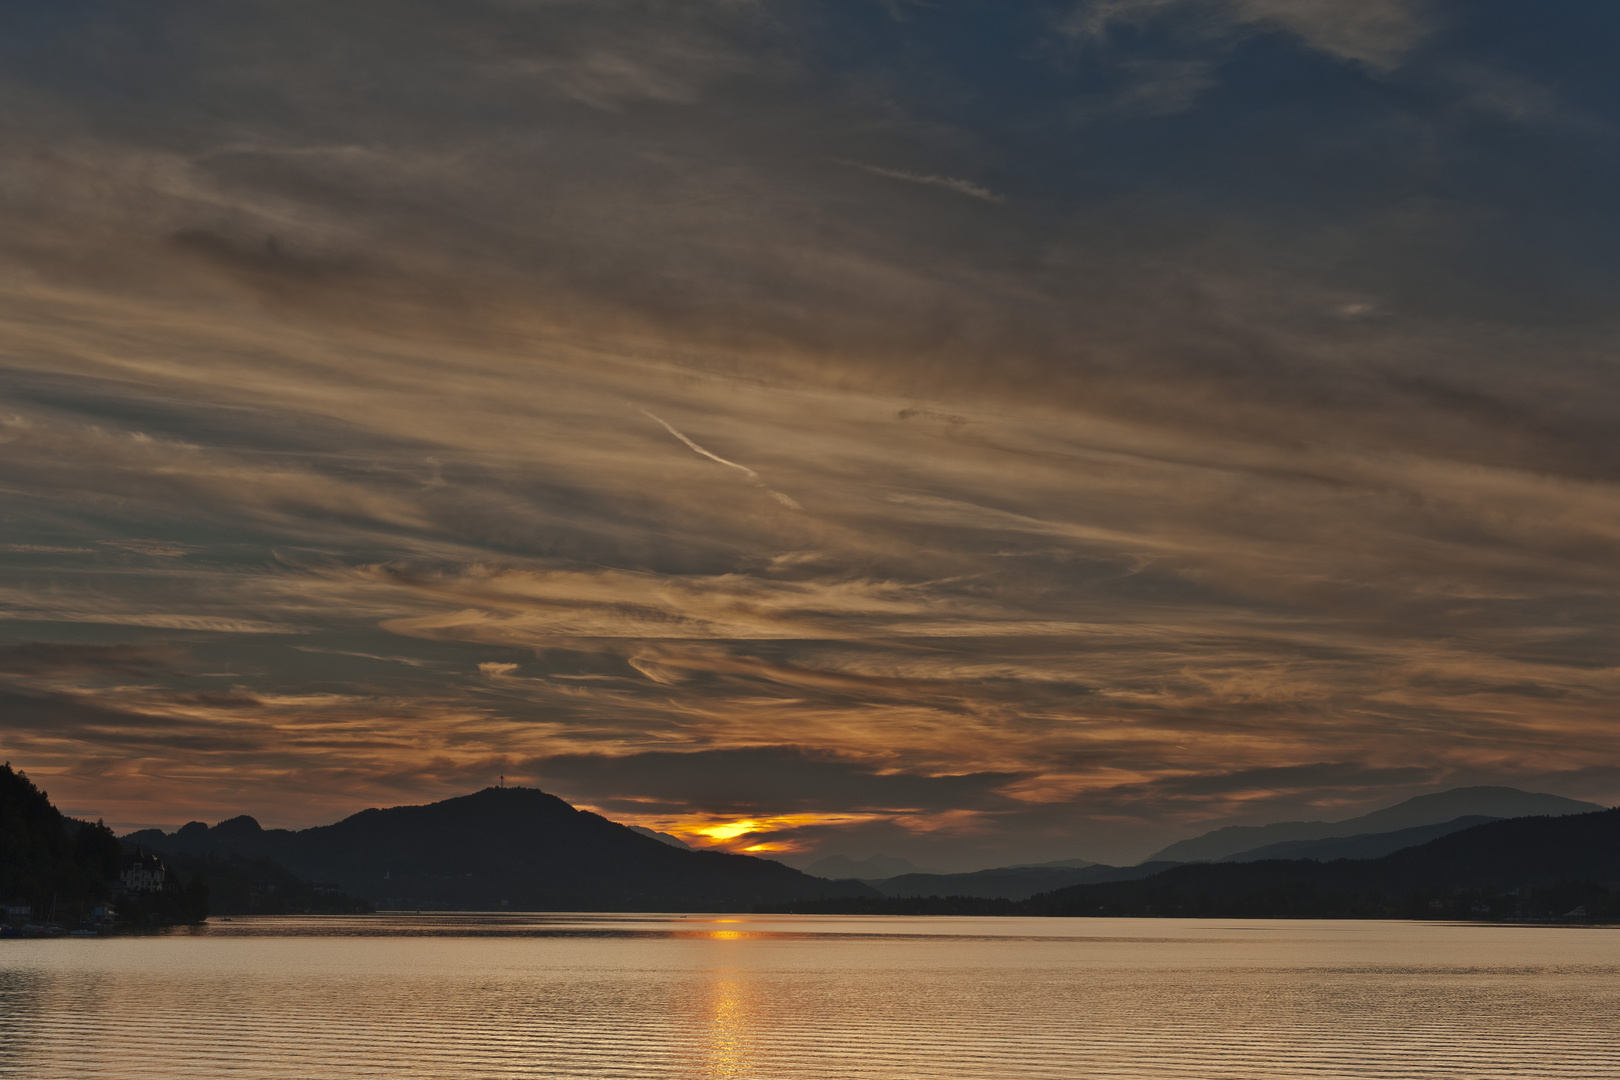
(973, 432)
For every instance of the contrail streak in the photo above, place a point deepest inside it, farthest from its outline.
(752, 475)
(745, 470)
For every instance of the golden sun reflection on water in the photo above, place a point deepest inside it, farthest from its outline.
(729, 1043)
(727, 1016)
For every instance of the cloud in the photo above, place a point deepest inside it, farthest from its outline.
(35, 659)
(1316, 778)
(762, 780)
(659, 67)
(155, 548)
(1109, 519)
(45, 549)
(1378, 33)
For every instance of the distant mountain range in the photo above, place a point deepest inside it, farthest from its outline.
(667, 838)
(1488, 802)
(1070, 863)
(1364, 846)
(1369, 836)
(1010, 882)
(873, 868)
(1022, 882)
(519, 849)
(515, 849)
(1563, 868)
(1493, 868)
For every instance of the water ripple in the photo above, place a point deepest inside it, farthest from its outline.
(642, 997)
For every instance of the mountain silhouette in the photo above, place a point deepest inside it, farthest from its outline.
(671, 839)
(1529, 868)
(1490, 802)
(871, 868)
(1362, 846)
(1011, 882)
(513, 849)
(1487, 869)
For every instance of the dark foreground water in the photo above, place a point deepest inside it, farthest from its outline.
(466, 996)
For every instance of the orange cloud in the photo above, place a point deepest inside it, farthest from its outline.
(752, 835)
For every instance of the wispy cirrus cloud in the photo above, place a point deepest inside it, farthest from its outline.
(1378, 33)
(1245, 446)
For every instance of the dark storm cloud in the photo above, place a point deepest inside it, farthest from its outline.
(1052, 421)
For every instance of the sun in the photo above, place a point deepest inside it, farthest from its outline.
(728, 830)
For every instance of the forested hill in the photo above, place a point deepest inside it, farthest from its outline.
(514, 849)
(46, 859)
(61, 871)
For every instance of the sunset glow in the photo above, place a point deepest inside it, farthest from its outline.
(1187, 411)
(725, 832)
(1087, 530)
(763, 835)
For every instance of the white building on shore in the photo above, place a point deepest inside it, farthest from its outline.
(143, 873)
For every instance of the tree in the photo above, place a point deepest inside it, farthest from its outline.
(196, 898)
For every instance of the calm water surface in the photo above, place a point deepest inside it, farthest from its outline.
(714, 997)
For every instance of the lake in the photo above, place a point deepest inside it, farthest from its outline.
(789, 997)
